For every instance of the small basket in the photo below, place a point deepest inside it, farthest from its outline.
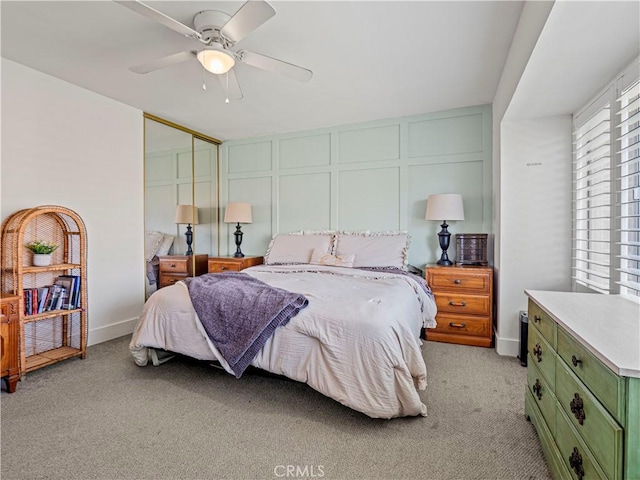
(471, 249)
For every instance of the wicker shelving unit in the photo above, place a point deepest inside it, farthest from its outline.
(56, 335)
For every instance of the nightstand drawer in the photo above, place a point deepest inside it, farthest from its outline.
(448, 323)
(463, 304)
(174, 265)
(232, 264)
(458, 280)
(217, 266)
(169, 279)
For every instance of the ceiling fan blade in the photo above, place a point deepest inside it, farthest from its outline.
(276, 66)
(160, 17)
(230, 85)
(163, 62)
(250, 16)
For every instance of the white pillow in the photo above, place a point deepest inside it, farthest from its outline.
(296, 248)
(165, 244)
(320, 257)
(378, 249)
(152, 241)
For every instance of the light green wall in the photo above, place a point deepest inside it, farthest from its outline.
(370, 176)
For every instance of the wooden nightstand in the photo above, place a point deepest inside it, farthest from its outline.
(174, 268)
(464, 297)
(9, 321)
(232, 264)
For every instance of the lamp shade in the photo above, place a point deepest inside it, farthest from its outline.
(237, 212)
(445, 206)
(186, 214)
(216, 61)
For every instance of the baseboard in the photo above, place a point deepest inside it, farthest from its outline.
(507, 346)
(109, 332)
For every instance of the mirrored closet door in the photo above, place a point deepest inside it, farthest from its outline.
(181, 195)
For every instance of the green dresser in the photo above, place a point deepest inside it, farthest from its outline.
(583, 375)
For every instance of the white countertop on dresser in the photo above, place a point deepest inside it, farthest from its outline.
(608, 325)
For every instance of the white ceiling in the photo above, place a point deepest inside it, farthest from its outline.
(371, 60)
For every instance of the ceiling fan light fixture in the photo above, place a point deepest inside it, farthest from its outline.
(216, 61)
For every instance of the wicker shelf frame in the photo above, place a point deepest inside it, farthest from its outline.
(57, 335)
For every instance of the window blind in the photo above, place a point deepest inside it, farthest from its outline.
(592, 201)
(628, 178)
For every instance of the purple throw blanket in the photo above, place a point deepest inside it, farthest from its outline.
(240, 313)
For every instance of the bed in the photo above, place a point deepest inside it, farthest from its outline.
(356, 341)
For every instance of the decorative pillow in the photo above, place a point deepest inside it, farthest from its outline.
(378, 249)
(152, 241)
(320, 257)
(296, 248)
(165, 244)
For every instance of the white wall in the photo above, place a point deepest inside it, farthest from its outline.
(535, 206)
(532, 20)
(65, 145)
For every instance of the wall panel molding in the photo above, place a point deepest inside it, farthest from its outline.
(375, 175)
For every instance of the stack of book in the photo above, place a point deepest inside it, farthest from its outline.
(63, 294)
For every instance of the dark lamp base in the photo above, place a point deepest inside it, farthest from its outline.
(238, 234)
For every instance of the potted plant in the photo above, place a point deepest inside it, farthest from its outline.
(42, 251)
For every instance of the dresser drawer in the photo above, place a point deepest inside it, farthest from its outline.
(448, 323)
(575, 454)
(463, 304)
(174, 265)
(542, 355)
(542, 395)
(218, 266)
(543, 322)
(603, 383)
(551, 452)
(600, 432)
(458, 280)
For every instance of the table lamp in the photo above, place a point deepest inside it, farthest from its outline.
(237, 212)
(187, 214)
(445, 206)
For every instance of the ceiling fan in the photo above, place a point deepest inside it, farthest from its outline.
(217, 32)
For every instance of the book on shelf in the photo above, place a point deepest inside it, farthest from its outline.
(42, 297)
(72, 284)
(66, 282)
(55, 295)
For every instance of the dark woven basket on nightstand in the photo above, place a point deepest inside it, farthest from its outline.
(471, 249)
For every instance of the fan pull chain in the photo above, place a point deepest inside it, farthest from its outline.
(204, 85)
(226, 100)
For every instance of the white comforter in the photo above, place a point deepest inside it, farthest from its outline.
(357, 341)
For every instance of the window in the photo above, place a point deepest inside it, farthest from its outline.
(606, 190)
(629, 190)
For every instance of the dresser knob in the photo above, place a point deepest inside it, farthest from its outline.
(537, 389)
(536, 318)
(454, 304)
(223, 268)
(457, 281)
(575, 461)
(173, 265)
(577, 408)
(537, 352)
(575, 360)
